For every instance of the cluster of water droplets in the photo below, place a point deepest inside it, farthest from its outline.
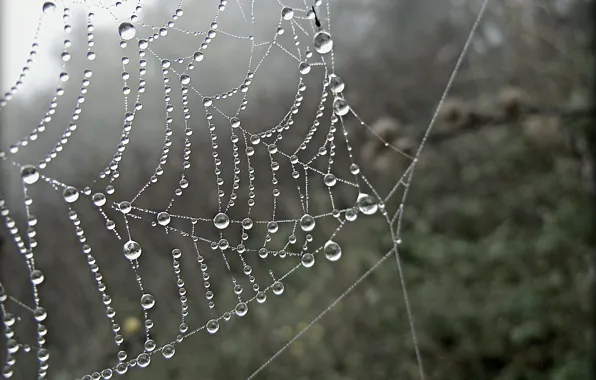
(131, 30)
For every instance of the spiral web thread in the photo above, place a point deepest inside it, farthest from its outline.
(311, 48)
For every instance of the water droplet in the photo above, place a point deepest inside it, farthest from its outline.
(207, 102)
(287, 13)
(198, 56)
(143, 360)
(304, 68)
(125, 207)
(247, 223)
(132, 250)
(163, 218)
(336, 84)
(212, 326)
(308, 260)
(241, 309)
(168, 351)
(37, 277)
(277, 287)
(272, 227)
(366, 204)
(48, 7)
(70, 194)
(235, 122)
(127, 31)
(184, 79)
(150, 345)
(147, 300)
(98, 199)
(329, 179)
(323, 42)
(332, 250)
(351, 214)
(29, 174)
(43, 355)
(221, 221)
(40, 314)
(261, 297)
(340, 106)
(307, 223)
(263, 253)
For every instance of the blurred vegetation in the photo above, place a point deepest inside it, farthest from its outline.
(495, 238)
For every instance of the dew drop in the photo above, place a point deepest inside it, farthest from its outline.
(308, 260)
(261, 297)
(168, 351)
(351, 214)
(127, 31)
(221, 221)
(48, 7)
(287, 13)
(132, 250)
(277, 287)
(29, 174)
(125, 207)
(304, 68)
(340, 106)
(235, 122)
(147, 300)
(185, 79)
(332, 250)
(272, 227)
(241, 309)
(329, 179)
(247, 223)
(336, 84)
(70, 194)
(99, 199)
(37, 277)
(323, 42)
(198, 56)
(307, 223)
(143, 360)
(212, 326)
(366, 204)
(163, 218)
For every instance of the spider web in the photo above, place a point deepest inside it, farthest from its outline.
(259, 221)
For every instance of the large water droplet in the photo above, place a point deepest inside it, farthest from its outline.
(241, 309)
(277, 287)
(37, 277)
(336, 84)
(221, 221)
(99, 199)
(132, 250)
(247, 223)
(272, 227)
(340, 106)
(70, 194)
(366, 204)
(184, 79)
(48, 7)
(332, 250)
(143, 360)
(147, 301)
(127, 31)
(212, 326)
(163, 218)
(308, 260)
(307, 223)
(287, 13)
(168, 351)
(329, 179)
(29, 174)
(323, 42)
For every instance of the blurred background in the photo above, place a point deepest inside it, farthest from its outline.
(497, 226)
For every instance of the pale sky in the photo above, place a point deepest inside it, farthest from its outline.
(19, 20)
